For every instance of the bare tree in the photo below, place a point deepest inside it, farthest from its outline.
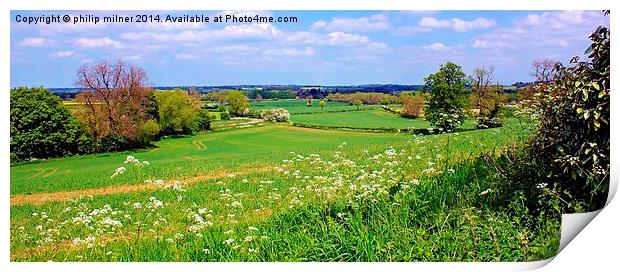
(486, 93)
(543, 70)
(114, 98)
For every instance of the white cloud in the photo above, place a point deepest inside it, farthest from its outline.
(375, 22)
(100, 42)
(63, 54)
(290, 52)
(36, 42)
(548, 30)
(456, 23)
(184, 56)
(436, 47)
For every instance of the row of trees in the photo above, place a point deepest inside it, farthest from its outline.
(116, 110)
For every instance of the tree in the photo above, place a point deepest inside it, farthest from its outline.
(543, 70)
(177, 111)
(322, 103)
(203, 120)
(41, 127)
(448, 96)
(486, 97)
(114, 100)
(413, 105)
(237, 103)
(357, 104)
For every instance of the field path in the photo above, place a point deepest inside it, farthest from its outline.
(42, 198)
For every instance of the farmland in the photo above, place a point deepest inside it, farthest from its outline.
(225, 195)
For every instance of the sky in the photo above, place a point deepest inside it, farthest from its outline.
(321, 48)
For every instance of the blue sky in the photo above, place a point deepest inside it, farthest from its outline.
(323, 47)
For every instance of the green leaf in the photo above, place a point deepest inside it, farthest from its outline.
(588, 51)
(579, 110)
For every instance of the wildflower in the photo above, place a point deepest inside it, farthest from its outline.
(206, 251)
(137, 205)
(228, 232)
(486, 192)
(236, 204)
(251, 250)
(248, 238)
(177, 186)
(159, 182)
(119, 171)
(229, 241)
(146, 163)
(415, 181)
(450, 171)
(253, 228)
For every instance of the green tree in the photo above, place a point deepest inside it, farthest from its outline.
(177, 112)
(41, 127)
(237, 103)
(357, 103)
(203, 120)
(448, 96)
(322, 104)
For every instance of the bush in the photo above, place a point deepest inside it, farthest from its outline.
(41, 127)
(225, 115)
(149, 131)
(574, 133)
(202, 121)
(275, 115)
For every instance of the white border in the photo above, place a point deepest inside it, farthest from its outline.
(587, 255)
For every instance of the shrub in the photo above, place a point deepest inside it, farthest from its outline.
(225, 115)
(275, 115)
(357, 103)
(41, 127)
(150, 130)
(574, 134)
(203, 121)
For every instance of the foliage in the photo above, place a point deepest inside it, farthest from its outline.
(275, 115)
(413, 106)
(177, 112)
(357, 103)
(322, 104)
(448, 97)
(203, 120)
(225, 115)
(238, 104)
(114, 102)
(150, 130)
(574, 134)
(41, 127)
(367, 98)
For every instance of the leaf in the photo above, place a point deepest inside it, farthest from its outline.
(596, 86)
(588, 51)
(579, 110)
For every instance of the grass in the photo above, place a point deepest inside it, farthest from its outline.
(299, 106)
(185, 157)
(375, 118)
(377, 197)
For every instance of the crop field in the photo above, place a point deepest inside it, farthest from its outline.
(375, 118)
(270, 192)
(299, 106)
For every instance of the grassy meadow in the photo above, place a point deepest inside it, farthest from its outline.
(274, 192)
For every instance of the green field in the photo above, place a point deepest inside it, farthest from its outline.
(185, 157)
(374, 119)
(253, 194)
(299, 106)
